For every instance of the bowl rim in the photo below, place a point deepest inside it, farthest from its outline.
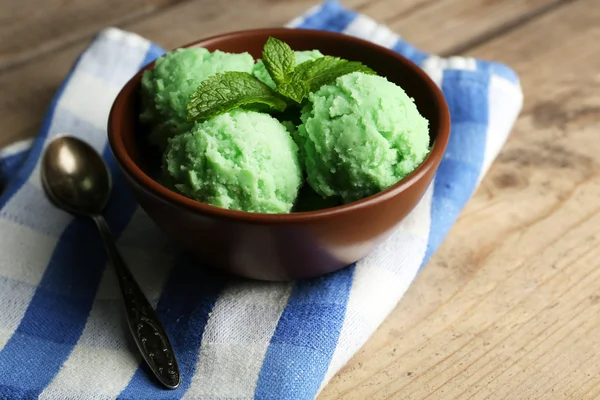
(127, 164)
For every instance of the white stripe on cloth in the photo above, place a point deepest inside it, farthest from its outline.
(30, 208)
(502, 117)
(15, 148)
(21, 272)
(236, 339)
(435, 66)
(18, 262)
(100, 96)
(128, 39)
(14, 298)
(364, 27)
(103, 351)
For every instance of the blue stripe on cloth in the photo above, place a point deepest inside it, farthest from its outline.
(499, 70)
(411, 52)
(331, 16)
(184, 308)
(305, 338)
(153, 53)
(10, 165)
(466, 93)
(32, 158)
(58, 311)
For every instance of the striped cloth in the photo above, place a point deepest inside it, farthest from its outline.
(62, 334)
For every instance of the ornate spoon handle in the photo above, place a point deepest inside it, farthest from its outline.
(148, 333)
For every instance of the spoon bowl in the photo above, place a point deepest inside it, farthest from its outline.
(75, 177)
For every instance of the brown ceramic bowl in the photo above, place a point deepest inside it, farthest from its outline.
(281, 246)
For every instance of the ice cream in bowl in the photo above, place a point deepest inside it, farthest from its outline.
(279, 154)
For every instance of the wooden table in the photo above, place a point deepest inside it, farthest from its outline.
(509, 307)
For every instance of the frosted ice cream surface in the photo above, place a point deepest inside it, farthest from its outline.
(241, 160)
(360, 135)
(248, 136)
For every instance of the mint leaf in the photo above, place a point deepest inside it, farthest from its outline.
(225, 91)
(311, 75)
(294, 90)
(279, 59)
(325, 70)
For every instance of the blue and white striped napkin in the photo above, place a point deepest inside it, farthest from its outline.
(62, 334)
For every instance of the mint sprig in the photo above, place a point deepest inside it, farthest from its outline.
(311, 75)
(225, 91)
(324, 70)
(295, 90)
(279, 60)
(293, 83)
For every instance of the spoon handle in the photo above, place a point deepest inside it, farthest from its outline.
(148, 333)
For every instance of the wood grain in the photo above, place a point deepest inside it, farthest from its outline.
(31, 27)
(27, 90)
(444, 26)
(507, 308)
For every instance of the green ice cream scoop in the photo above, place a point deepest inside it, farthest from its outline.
(166, 88)
(241, 160)
(360, 135)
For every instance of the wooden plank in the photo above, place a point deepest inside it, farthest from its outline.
(202, 18)
(508, 307)
(31, 27)
(443, 26)
(27, 90)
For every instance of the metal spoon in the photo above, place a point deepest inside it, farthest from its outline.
(77, 180)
